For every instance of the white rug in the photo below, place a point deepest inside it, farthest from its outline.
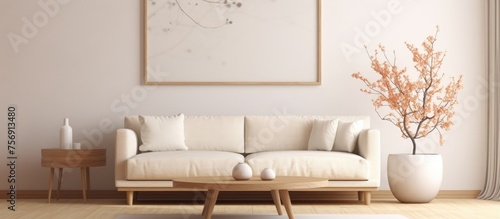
(259, 216)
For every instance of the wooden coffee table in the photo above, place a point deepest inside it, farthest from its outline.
(279, 188)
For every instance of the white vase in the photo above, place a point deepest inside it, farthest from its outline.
(267, 174)
(242, 171)
(415, 178)
(66, 135)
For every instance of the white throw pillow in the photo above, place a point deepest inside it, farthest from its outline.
(162, 133)
(322, 135)
(347, 136)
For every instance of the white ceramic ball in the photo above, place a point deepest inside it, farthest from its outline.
(267, 174)
(242, 171)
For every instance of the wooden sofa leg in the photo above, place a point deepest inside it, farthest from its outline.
(367, 197)
(130, 197)
(360, 195)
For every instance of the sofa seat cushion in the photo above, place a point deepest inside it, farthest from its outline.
(328, 164)
(167, 165)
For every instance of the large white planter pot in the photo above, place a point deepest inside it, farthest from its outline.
(415, 178)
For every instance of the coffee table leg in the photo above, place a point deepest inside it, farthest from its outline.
(288, 204)
(277, 201)
(205, 205)
(210, 203)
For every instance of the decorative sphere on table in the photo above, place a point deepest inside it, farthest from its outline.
(242, 171)
(267, 174)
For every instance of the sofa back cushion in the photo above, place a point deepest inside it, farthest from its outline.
(162, 133)
(212, 133)
(215, 133)
(278, 133)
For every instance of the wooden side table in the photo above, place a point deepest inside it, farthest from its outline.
(72, 158)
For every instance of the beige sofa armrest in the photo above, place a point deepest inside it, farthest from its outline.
(369, 148)
(125, 148)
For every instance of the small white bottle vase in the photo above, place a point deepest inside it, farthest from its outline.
(242, 171)
(66, 135)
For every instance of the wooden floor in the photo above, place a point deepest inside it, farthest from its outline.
(109, 208)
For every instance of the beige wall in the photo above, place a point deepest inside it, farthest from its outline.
(83, 62)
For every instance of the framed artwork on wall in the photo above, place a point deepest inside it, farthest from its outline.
(232, 42)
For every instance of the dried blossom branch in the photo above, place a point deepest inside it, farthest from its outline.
(416, 107)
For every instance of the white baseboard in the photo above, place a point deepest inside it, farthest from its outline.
(228, 196)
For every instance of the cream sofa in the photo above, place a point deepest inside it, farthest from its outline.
(215, 144)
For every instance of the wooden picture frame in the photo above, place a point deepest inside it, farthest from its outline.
(232, 42)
